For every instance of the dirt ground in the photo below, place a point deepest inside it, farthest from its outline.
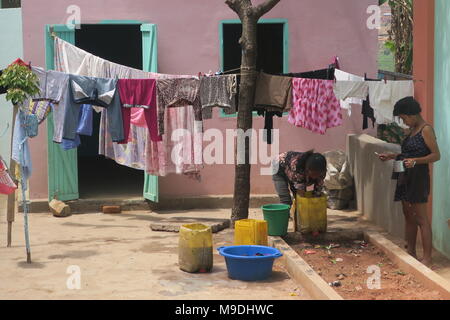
(120, 257)
(348, 262)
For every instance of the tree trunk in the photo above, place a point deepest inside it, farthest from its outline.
(247, 89)
(249, 17)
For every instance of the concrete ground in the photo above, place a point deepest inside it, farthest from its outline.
(120, 257)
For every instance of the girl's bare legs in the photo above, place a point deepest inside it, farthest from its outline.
(425, 230)
(411, 228)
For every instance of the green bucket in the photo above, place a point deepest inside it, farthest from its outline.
(277, 217)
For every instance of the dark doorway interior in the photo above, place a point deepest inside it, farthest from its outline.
(7, 4)
(270, 47)
(99, 177)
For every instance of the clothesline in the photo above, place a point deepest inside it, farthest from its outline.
(125, 132)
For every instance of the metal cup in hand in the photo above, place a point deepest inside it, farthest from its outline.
(399, 166)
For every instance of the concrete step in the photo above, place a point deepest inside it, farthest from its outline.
(140, 204)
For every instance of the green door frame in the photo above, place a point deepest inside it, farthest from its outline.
(63, 165)
(261, 21)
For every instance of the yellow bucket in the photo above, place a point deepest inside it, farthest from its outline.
(311, 213)
(195, 248)
(250, 232)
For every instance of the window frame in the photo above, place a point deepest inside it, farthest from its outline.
(285, 24)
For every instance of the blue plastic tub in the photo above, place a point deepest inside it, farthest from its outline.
(249, 263)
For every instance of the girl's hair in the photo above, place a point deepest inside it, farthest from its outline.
(312, 161)
(407, 106)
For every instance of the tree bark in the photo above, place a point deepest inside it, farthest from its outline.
(249, 17)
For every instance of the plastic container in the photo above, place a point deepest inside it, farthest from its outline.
(250, 232)
(195, 248)
(311, 213)
(277, 217)
(249, 263)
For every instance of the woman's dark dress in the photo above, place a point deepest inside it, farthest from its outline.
(413, 185)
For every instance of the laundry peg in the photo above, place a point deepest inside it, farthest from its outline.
(384, 78)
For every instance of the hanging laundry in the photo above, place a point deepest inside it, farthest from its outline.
(273, 96)
(138, 99)
(347, 90)
(346, 103)
(52, 97)
(20, 145)
(367, 110)
(218, 91)
(273, 93)
(96, 91)
(70, 144)
(40, 108)
(268, 123)
(178, 93)
(140, 152)
(51, 88)
(323, 74)
(367, 113)
(182, 156)
(85, 127)
(384, 95)
(7, 185)
(316, 107)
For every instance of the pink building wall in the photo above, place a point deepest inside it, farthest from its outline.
(188, 42)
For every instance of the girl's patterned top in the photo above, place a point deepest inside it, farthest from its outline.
(298, 180)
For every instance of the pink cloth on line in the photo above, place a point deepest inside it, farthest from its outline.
(138, 98)
(315, 106)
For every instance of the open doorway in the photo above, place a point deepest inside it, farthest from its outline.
(99, 177)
